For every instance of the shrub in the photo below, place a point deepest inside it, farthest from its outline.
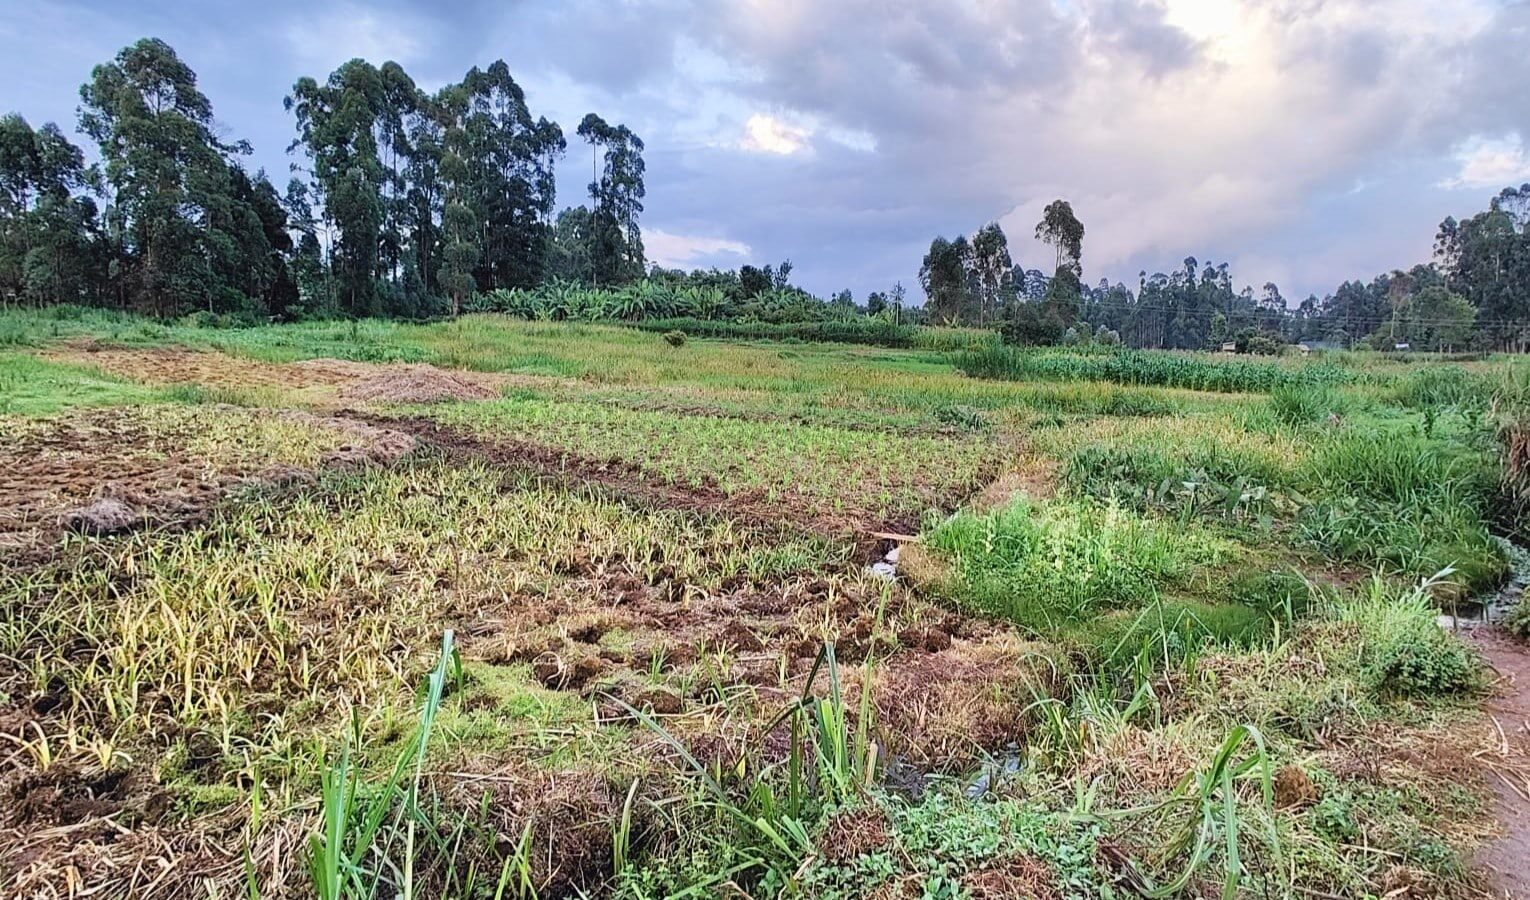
(1403, 650)
(1301, 405)
(1516, 619)
(675, 338)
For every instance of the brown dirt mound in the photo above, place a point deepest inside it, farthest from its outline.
(415, 384)
(946, 708)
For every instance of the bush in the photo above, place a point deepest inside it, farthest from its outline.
(1421, 663)
(1299, 405)
(1516, 619)
(1403, 651)
(675, 338)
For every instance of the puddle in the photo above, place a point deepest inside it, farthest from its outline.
(1489, 608)
(994, 772)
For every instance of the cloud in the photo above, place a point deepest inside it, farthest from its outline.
(767, 134)
(322, 40)
(681, 251)
(1490, 163)
(1227, 129)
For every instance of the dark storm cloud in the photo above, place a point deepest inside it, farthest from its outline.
(1301, 139)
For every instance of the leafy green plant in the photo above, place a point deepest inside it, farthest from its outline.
(353, 854)
(1042, 565)
(1404, 651)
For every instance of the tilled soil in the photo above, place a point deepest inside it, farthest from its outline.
(65, 472)
(633, 482)
(317, 382)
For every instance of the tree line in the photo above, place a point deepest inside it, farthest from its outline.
(408, 203)
(405, 202)
(1474, 294)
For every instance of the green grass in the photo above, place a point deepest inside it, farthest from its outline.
(1146, 367)
(264, 666)
(1044, 566)
(30, 386)
(827, 470)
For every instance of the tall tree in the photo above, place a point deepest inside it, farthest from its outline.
(186, 233)
(1062, 229)
(943, 275)
(991, 262)
(337, 125)
(50, 249)
(509, 158)
(616, 191)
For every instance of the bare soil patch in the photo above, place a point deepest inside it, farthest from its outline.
(320, 382)
(1506, 861)
(106, 471)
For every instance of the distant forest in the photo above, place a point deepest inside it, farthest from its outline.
(409, 204)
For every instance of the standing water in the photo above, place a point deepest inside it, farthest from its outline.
(1489, 608)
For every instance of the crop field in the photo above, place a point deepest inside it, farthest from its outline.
(503, 609)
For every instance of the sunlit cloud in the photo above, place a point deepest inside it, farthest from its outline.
(680, 250)
(1490, 163)
(767, 134)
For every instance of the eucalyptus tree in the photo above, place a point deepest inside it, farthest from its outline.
(943, 275)
(510, 158)
(189, 237)
(991, 263)
(337, 123)
(1062, 229)
(459, 223)
(616, 192)
(1486, 259)
(50, 248)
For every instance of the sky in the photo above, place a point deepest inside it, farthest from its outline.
(1303, 142)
